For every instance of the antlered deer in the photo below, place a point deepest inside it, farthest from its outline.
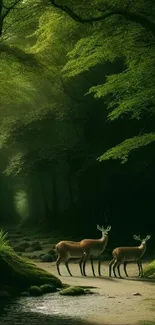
(123, 255)
(94, 248)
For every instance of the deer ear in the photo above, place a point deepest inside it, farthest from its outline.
(148, 237)
(108, 228)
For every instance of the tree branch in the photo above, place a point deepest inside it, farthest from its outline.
(10, 8)
(141, 19)
(6, 12)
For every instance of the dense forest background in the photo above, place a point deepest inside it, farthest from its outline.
(77, 116)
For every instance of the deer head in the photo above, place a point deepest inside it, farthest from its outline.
(104, 231)
(144, 240)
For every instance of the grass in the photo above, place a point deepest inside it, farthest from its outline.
(149, 271)
(20, 272)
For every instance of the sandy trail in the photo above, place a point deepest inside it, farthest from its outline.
(116, 303)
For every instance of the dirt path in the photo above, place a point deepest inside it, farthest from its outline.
(116, 303)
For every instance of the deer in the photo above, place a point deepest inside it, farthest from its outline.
(94, 248)
(124, 255)
(67, 250)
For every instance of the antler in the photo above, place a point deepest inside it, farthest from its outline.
(137, 237)
(99, 228)
(148, 237)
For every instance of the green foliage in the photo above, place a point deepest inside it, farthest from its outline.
(131, 91)
(122, 150)
(34, 55)
(72, 291)
(149, 270)
(4, 242)
(47, 288)
(35, 291)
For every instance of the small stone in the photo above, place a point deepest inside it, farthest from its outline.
(111, 297)
(136, 294)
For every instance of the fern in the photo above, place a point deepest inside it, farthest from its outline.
(4, 242)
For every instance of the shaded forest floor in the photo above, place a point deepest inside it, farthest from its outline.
(116, 303)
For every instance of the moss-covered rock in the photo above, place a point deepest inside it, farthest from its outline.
(20, 247)
(35, 291)
(36, 245)
(21, 273)
(47, 258)
(48, 288)
(149, 270)
(29, 250)
(73, 291)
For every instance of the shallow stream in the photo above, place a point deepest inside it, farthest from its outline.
(50, 309)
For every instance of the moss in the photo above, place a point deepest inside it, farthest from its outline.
(48, 288)
(149, 270)
(72, 291)
(21, 273)
(35, 291)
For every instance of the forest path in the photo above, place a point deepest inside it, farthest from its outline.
(116, 303)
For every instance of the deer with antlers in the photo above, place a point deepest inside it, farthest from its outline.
(82, 250)
(123, 255)
(94, 248)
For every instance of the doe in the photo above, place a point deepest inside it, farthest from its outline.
(67, 250)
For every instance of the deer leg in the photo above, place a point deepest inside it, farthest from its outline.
(114, 266)
(125, 271)
(80, 265)
(118, 269)
(91, 259)
(58, 261)
(67, 267)
(99, 266)
(84, 264)
(140, 268)
(110, 266)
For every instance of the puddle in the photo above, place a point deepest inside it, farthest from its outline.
(39, 310)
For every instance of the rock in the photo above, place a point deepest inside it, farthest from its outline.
(33, 257)
(47, 258)
(72, 291)
(136, 294)
(25, 294)
(35, 291)
(36, 245)
(4, 295)
(111, 297)
(21, 247)
(48, 288)
(29, 250)
(52, 252)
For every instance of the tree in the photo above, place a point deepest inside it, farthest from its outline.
(131, 92)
